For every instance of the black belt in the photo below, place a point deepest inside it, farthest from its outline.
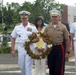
(56, 44)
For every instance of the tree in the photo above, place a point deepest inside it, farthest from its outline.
(42, 8)
(38, 8)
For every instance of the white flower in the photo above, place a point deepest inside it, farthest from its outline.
(28, 40)
(40, 57)
(38, 35)
(49, 46)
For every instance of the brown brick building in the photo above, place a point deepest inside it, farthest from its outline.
(69, 14)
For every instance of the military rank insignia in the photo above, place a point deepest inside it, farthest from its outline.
(29, 29)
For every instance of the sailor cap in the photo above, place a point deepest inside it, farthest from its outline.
(54, 12)
(24, 12)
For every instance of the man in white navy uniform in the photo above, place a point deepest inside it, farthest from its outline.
(21, 32)
(73, 39)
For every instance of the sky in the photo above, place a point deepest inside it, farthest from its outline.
(67, 2)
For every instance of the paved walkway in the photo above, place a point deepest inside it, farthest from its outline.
(8, 66)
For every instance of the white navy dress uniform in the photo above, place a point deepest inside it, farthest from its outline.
(73, 31)
(21, 33)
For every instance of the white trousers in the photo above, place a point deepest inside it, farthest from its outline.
(40, 67)
(25, 63)
(75, 52)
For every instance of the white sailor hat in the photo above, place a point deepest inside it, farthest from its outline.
(24, 14)
(54, 12)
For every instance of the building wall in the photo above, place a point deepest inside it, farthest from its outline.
(65, 13)
(71, 14)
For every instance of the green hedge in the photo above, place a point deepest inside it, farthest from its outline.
(5, 50)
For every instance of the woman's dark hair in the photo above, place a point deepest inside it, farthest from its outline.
(37, 19)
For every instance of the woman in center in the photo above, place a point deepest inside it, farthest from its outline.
(40, 46)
